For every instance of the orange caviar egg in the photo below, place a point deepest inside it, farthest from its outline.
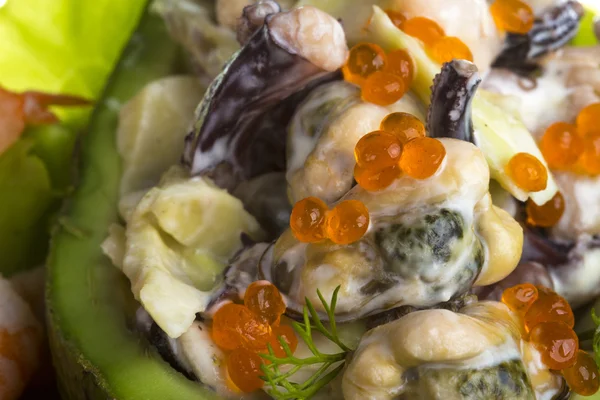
(307, 220)
(235, 326)
(375, 180)
(377, 150)
(363, 60)
(383, 88)
(263, 299)
(588, 120)
(347, 222)
(401, 64)
(404, 125)
(288, 334)
(396, 17)
(518, 298)
(561, 145)
(557, 343)
(528, 172)
(243, 367)
(548, 214)
(590, 159)
(448, 48)
(582, 377)
(549, 307)
(512, 16)
(424, 29)
(422, 157)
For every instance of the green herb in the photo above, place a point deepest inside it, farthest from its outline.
(596, 337)
(330, 364)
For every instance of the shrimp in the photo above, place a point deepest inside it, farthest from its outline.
(28, 108)
(20, 342)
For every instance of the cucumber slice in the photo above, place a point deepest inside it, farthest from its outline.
(90, 306)
(498, 134)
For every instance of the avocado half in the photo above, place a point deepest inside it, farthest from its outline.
(96, 351)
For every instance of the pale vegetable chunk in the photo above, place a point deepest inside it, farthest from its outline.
(476, 353)
(178, 240)
(152, 127)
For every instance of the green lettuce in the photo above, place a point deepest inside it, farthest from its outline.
(64, 46)
(26, 197)
(58, 46)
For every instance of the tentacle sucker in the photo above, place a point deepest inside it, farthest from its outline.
(551, 30)
(451, 96)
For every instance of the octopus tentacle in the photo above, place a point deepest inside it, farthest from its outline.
(452, 92)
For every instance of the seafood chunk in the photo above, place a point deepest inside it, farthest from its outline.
(20, 342)
(476, 353)
(322, 136)
(291, 51)
(428, 241)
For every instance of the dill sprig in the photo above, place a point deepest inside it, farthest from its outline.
(330, 364)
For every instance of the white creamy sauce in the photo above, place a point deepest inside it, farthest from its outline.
(582, 206)
(539, 107)
(211, 158)
(579, 280)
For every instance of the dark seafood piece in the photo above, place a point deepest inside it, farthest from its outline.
(451, 96)
(241, 272)
(253, 18)
(551, 31)
(265, 197)
(396, 313)
(507, 380)
(279, 60)
(167, 348)
(538, 247)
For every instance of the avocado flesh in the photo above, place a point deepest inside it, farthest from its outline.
(96, 352)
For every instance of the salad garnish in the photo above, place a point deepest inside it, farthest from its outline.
(330, 364)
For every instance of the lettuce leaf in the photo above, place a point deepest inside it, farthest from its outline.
(64, 46)
(58, 46)
(26, 198)
(586, 35)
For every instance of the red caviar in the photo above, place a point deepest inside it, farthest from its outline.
(527, 172)
(307, 220)
(383, 88)
(377, 150)
(422, 157)
(561, 145)
(396, 17)
(588, 120)
(590, 159)
(243, 367)
(375, 180)
(520, 297)
(347, 222)
(236, 326)
(264, 300)
(582, 377)
(401, 63)
(546, 215)
(404, 125)
(424, 29)
(549, 307)
(513, 16)
(557, 343)
(364, 60)
(448, 48)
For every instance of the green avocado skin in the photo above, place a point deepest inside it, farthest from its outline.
(96, 352)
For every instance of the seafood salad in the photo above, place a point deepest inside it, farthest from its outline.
(361, 199)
